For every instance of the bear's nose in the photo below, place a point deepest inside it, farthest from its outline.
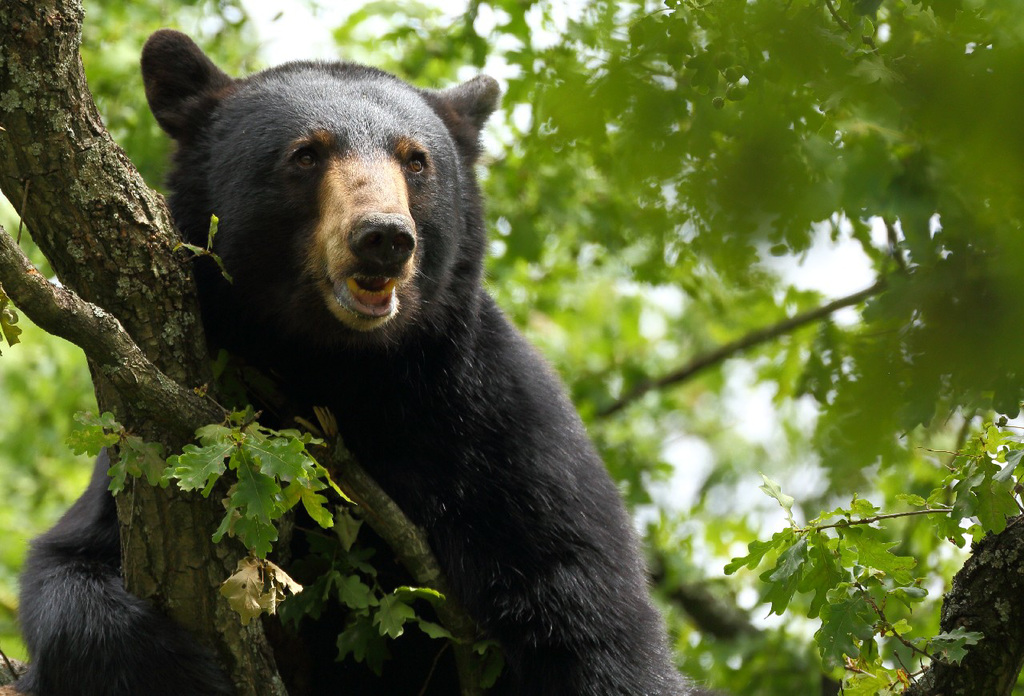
(383, 242)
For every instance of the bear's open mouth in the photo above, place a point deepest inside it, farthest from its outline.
(368, 296)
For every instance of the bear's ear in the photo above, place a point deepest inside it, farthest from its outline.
(182, 83)
(465, 109)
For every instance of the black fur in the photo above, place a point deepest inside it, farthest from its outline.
(87, 635)
(449, 408)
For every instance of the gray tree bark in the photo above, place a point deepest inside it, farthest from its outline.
(109, 239)
(985, 597)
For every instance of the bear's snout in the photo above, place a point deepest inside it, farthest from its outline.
(383, 243)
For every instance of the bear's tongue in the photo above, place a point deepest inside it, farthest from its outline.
(372, 295)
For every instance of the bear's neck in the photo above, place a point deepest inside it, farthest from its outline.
(422, 369)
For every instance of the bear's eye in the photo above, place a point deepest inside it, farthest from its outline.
(305, 157)
(417, 162)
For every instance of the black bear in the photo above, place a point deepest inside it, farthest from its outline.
(351, 224)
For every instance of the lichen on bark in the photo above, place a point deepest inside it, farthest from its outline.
(109, 238)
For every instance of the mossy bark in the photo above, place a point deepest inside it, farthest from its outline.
(985, 597)
(109, 239)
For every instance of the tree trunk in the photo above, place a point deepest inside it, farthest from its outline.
(985, 597)
(109, 238)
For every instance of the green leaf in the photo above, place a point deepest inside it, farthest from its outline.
(364, 642)
(118, 474)
(143, 458)
(862, 508)
(105, 420)
(996, 503)
(281, 457)
(909, 595)
(783, 580)
(757, 549)
(873, 551)
(322, 474)
(90, 440)
(911, 499)
(790, 561)
(200, 467)
(823, 572)
(842, 622)
(255, 535)
(9, 331)
(354, 593)
(951, 646)
(434, 630)
(214, 226)
(255, 493)
(492, 661)
(391, 616)
(427, 593)
(314, 503)
(1013, 458)
(215, 433)
(879, 684)
(775, 491)
(346, 527)
(873, 69)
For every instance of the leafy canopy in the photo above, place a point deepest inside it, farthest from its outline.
(660, 171)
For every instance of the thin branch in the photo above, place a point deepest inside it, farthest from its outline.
(10, 667)
(433, 668)
(888, 625)
(728, 350)
(876, 518)
(846, 25)
(894, 244)
(24, 204)
(410, 545)
(839, 20)
(60, 312)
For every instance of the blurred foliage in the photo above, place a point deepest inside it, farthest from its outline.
(658, 164)
(43, 381)
(657, 175)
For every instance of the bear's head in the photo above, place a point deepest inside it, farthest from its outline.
(347, 204)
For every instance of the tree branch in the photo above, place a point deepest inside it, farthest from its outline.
(60, 312)
(985, 597)
(107, 236)
(110, 240)
(728, 350)
(413, 551)
(10, 671)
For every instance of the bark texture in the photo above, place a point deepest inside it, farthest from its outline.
(985, 597)
(109, 239)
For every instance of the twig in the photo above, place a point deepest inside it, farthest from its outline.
(888, 626)
(894, 244)
(839, 20)
(876, 518)
(410, 545)
(433, 667)
(21, 211)
(10, 667)
(60, 312)
(730, 349)
(846, 25)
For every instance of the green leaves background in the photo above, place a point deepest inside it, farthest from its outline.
(658, 173)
